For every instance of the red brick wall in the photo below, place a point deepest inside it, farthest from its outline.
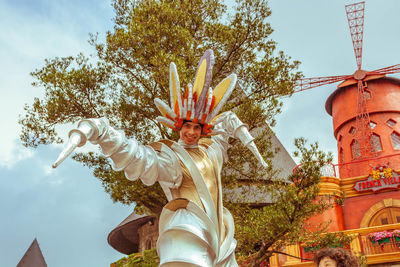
(354, 208)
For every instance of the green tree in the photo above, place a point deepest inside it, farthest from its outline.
(130, 69)
(264, 231)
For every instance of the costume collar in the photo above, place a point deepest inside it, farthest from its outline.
(184, 145)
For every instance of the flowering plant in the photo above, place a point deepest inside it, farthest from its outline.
(375, 174)
(375, 237)
(328, 240)
(396, 233)
(388, 172)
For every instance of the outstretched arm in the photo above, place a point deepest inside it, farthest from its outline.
(135, 159)
(231, 126)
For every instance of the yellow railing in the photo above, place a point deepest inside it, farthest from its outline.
(361, 244)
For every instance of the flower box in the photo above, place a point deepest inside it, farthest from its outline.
(380, 237)
(384, 240)
(308, 249)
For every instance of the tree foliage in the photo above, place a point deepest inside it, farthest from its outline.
(130, 68)
(264, 231)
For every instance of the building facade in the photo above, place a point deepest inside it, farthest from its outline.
(370, 212)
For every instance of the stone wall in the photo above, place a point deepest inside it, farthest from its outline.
(148, 234)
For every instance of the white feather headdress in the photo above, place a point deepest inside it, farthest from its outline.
(200, 103)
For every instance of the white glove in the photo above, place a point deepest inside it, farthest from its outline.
(88, 129)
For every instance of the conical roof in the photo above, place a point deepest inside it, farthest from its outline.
(33, 257)
(124, 238)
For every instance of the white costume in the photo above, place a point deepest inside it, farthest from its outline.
(194, 229)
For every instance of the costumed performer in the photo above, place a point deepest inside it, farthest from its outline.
(194, 228)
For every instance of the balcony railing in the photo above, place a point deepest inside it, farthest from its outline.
(376, 253)
(332, 170)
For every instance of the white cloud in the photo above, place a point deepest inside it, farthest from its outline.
(28, 35)
(48, 170)
(12, 153)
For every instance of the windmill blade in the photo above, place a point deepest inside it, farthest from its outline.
(355, 17)
(387, 70)
(308, 83)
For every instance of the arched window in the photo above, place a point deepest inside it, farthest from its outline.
(372, 124)
(387, 215)
(395, 140)
(341, 155)
(148, 244)
(355, 149)
(375, 143)
(352, 130)
(367, 94)
(391, 122)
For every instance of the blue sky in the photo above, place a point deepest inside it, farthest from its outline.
(67, 209)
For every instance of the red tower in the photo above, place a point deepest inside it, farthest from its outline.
(362, 141)
(365, 110)
(382, 97)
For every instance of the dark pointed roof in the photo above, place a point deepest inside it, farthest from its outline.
(33, 257)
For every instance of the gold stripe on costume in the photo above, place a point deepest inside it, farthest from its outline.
(199, 182)
(206, 142)
(187, 189)
(179, 203)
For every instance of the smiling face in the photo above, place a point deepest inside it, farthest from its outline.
(327, 262)
(190, 133)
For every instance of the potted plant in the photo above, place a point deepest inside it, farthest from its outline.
(327, 240)
(380, 237)
(396, 235)
(313, 247)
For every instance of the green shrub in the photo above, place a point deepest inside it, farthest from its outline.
(147, 258)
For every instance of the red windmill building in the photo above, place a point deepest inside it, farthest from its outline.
(363, 99)
(365, 110)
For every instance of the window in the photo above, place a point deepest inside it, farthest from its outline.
(376, 143)
(391, 122)
(341, 155)
(148, 244)
(352, 130)
(367, 94)
(355, 149)
(387, 215)
(395, 140)
(372, 125)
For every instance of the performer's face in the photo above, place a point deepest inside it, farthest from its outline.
(190, 133)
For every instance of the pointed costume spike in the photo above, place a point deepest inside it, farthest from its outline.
(174, 89)
(199, 118)
(181, 115)
(212, 104)
(184, 109)
(209, 99)
(217, 119)
(221, 93)
(203, 79)
(165, 110)
(199, 104)
(167, 122)
(203, 118)
(193, 111)
(189, 102)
